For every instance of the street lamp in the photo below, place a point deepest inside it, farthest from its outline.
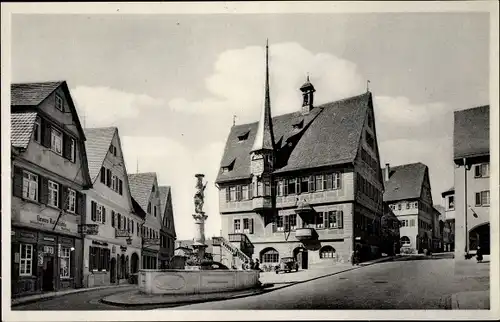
(467, 167)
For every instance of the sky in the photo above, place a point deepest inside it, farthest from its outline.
(172, 83)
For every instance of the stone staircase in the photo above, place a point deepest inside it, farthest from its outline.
(227, 253)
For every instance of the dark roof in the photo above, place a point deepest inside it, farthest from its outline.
(448, 192)
(163, 192)
(138, 210)
(405, 182)
(141, 185)
(330, 136)
(97, 146)
(471, 132)
(21, 128)
(31, 94)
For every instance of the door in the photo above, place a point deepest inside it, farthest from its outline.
(305, 259)
(113, 271)
(48, 273)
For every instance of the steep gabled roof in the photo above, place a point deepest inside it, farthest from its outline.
(31, 94)
(405, 182)
(471, 132)
(163, 191)
(330, 136)
(141, 185)
(97, 146)
(137, 209)
(22, 125)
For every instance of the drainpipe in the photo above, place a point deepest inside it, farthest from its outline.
(466, 248)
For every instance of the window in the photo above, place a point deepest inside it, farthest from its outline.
(327, 252)
(292, 221)
(120, 187)
(53, 194)
(482, 170)
(279, 223)
(25, 259)
(59, 103)
(232, 194)
(320, 220)
(319, 183)
(132, 226)
(98, 213)
(72, 150)
(113, 214)
(103, 175)
(412, 222)
(99, 259)
(154, 208)
(399, 206)
(407, 205)
(114, 183)
(149, 207)
(71, 200)
(334, 219)
(237, 226)
(328, 181)
(450, 203)
(37, 130)
(292, 186)
(56, 139)
(280, 188)
(137, 230)
(244, 192)
(270, 256)
(405, 241)
(246, 225)
(30, 186)
(483, 198)
(304, 184)
(64, 270)
(243, 136)
(239, 193)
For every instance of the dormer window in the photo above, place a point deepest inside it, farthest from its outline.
(228, 167)
(59, 103)
(243, 136)
(298, 125)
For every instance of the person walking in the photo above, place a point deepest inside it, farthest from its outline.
(479, 254)
(257, 265)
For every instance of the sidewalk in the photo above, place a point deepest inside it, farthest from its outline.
(48, 295)
(474, 279)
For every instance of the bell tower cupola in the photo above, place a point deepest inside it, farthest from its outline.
(307, 96)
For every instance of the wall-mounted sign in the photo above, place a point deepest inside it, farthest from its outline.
(151, 241)
(48, 249)
(88, 229)
(121, 233)
(96, 242)
(63, 225)
(49, 239)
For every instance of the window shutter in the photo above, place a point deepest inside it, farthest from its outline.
(274, 224)
(228, 195)
(45, 133)
(80, 198)
(103, 175)
(44, 189)
(120, 187)
(93, 210)
(17, 183)
(477, 170)
(108, 177)
(63, 192)
(112, 218)
(478, 199)
(66, 146)
(103, 215)
(251, 225)
(339, 181)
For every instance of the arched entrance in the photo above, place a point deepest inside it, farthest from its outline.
(327, 252)
(480, 236)
(269, 257)
(112, 271)
(134, 263)
(122, 266)
(301, 256)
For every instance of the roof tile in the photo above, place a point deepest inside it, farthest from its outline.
(471, 132)
(141, 185)
(31, 94)
(97, 146)
(405, 182)
(21, 128)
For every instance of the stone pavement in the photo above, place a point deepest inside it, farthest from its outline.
(475, 278)
(48, 295)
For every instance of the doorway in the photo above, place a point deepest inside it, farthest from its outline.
(113, 271)
(301, 256)
(48, 274)
(135, 263)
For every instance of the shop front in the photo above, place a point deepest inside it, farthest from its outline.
(43, 260)
(149, 259)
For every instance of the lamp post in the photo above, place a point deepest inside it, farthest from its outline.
(467, 167)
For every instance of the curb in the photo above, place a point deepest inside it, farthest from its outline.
(41, 297)
(190, 301)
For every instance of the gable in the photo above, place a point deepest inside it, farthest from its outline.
(405, 182)
(140, 187)
(471, 132)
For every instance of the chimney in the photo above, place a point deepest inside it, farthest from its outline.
(387, 172)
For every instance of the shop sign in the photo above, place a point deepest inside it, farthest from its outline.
(122, 233)
(88, 229)
(151, 241)
(47, 222)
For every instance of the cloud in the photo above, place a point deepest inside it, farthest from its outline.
(176, 165)
(103, 106)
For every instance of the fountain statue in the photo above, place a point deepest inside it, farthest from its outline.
(199, 217)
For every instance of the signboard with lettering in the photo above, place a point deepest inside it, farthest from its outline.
(65, 224)
(121, 233)
(151, 241)
(88, 229)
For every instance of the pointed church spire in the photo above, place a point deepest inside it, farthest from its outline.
(264, 138)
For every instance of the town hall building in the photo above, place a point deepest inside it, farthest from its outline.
(306, 184)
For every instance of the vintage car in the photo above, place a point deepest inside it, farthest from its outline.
(287, 264)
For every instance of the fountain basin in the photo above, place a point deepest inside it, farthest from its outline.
(176, 281)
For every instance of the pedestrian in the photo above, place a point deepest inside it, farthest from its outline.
(252, 264)
(257, 265)
(479, 254)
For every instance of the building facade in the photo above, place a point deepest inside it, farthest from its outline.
(144, 189)
(112, 244)
(448, 202)
(167, 231)
(408, 194)
(305, 184)
(472, 184)
(49, 173)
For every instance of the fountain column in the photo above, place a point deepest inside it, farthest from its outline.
(199, 217)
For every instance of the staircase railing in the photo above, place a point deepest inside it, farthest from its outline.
(235, 251)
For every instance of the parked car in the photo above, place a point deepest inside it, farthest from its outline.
(213, 266)
(287, 264)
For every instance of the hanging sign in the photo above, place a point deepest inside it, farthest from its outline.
(122, 233)
(88, 229)
(151, 241)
